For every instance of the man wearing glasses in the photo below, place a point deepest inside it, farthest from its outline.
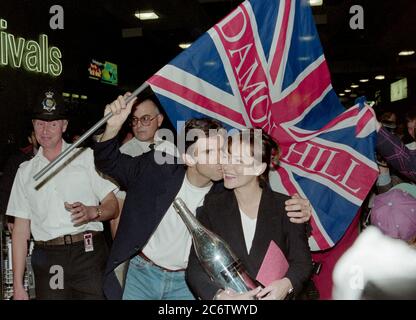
(145, 120)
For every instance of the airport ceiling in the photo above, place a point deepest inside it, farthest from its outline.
(389, 27)
(145, 46)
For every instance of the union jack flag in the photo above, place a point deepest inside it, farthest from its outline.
(263, 66)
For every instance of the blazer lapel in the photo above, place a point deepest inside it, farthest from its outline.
(236, 236)
(168, 189)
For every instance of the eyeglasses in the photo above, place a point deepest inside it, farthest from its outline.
(144, 120)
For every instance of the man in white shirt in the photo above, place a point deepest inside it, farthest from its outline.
(63, 213)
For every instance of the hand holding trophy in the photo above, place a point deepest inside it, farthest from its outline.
(215, 255)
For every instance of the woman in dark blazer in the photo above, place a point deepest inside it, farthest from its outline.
(250, 217)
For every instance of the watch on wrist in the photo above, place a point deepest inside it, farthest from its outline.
(99, 212)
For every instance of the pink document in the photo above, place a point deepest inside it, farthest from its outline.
(274, 265)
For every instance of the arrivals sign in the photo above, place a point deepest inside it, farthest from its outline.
(34, 56)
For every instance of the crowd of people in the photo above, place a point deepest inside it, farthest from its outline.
(119, 185)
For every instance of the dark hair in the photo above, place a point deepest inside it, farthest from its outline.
(270, 151)
(202, 124)
(384, 118)
(386, 115)
(411, 115)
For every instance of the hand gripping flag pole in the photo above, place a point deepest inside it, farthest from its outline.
(86, 135)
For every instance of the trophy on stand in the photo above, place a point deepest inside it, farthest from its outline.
(215, 255)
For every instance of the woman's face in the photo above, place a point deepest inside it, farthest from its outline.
(240, 167)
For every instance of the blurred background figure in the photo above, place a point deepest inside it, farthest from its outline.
(376, 267)
(389, 120)
(409, 137)
(26, 151)
(394, 213)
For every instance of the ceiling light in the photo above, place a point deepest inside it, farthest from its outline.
(342, 94)
(406, 53)
(84, 97)
(380, 77)
(185, 45)
(354, 86)
(364, 80)
(146, 15)
(347, 90)
(315, 3)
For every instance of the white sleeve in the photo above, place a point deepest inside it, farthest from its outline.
(121, 194)
(18, 205)
(101, 185)
(125, 149)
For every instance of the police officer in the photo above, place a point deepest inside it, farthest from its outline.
(63, 213)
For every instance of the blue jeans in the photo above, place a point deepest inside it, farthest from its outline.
(145, 281)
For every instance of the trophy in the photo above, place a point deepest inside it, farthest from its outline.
(214, 254)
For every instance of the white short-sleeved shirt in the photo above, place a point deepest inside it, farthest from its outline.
(170, 244)
(74, 180)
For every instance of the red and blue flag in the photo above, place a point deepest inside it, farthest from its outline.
(263, 66)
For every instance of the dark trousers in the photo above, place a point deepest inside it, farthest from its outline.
(66, 272)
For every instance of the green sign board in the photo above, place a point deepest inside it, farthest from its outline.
(104, 71)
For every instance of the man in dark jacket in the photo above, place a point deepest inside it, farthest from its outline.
(151, 234)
